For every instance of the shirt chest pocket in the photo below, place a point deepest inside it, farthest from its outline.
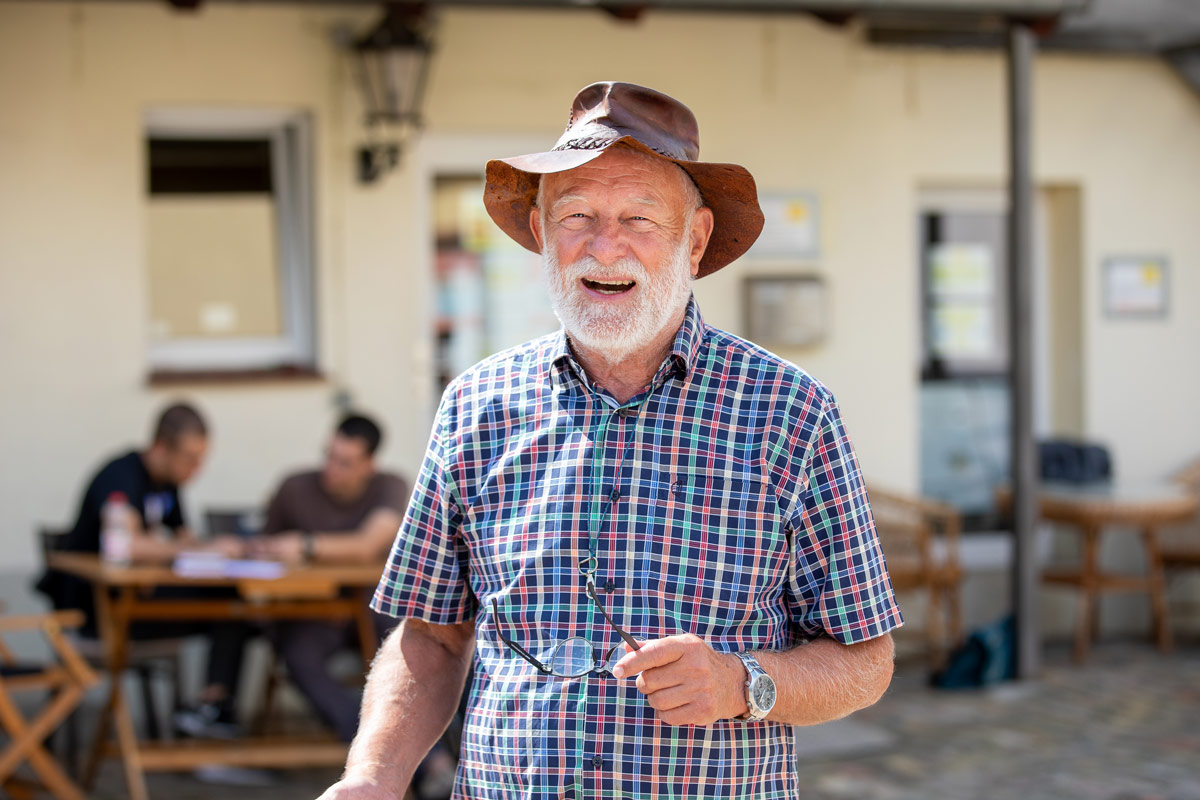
(713, 554)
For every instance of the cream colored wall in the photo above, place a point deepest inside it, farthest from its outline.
(802, 105)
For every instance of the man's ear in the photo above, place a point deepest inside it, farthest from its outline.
(701, 232)
(535, 225)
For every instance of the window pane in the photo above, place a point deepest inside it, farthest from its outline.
(213, 266)
(219, 166)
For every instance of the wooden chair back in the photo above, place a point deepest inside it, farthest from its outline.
(1180, 546)
(920, 540)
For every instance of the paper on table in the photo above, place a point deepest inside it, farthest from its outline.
(215, 565)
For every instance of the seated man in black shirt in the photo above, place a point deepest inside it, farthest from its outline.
(149, 481)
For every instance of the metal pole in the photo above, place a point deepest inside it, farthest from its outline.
(1020, 248)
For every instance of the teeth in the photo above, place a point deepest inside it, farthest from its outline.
(612, 283)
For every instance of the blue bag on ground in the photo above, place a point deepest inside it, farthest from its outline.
(989, 655)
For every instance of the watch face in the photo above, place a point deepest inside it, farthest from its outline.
(763, 692)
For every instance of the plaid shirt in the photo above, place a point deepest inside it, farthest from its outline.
(724, 501)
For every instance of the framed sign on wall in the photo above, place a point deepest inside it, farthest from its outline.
(785, 310)
(1135, 286)
(791, 226)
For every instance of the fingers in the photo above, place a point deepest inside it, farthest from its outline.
(657, 653)
(684, 680)
(685, 705)
(673, 697)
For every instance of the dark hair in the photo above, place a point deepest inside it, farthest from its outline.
(176, 421)
(356, 426)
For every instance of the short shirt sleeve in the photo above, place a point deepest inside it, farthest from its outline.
(426, 574)
(839, 583)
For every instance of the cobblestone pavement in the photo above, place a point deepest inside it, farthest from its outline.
(1124, 727)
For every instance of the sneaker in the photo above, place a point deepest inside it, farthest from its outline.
(206, 722)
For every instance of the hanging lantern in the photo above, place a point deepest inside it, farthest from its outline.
(392, 62)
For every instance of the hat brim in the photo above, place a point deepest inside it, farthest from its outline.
(728, 190)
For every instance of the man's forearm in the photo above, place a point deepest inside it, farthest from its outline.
(411, 695)
(826, 680)
(369, 542)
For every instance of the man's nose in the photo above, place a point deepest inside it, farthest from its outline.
(608, 243)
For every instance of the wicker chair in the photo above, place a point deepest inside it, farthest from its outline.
(920, 540)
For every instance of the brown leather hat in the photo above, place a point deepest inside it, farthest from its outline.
(608, 114)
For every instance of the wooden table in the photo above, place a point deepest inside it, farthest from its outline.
(1089, 509)
(123, 597)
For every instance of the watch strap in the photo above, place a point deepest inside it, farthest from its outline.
(753, 670)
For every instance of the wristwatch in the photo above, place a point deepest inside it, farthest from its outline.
(760, 688)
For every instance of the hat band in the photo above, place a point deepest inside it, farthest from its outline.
(598, 142)
(587, 143)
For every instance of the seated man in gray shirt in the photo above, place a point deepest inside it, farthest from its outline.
(346, 512)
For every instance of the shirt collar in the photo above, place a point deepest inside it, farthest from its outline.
(684, 351)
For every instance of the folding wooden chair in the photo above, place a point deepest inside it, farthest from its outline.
(67, 679)
(145, 658)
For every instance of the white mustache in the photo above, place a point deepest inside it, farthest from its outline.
(625, 269)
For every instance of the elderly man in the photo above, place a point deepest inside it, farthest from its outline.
(652, 535)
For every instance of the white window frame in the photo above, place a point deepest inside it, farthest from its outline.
(290, 134)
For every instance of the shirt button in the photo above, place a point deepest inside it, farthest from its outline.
(614, 495)
(597, 761)
(609, 586)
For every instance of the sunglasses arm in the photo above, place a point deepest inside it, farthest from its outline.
(516, 648)
(633, 643)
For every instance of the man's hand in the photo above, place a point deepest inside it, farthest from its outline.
(352, 788)
(228, 546)
(287, 547)
(686, 681)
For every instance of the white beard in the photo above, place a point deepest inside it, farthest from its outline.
(618, 333)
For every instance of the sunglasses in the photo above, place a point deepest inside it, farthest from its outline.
(572, 657)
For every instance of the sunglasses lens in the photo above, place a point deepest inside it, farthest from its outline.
(572, 658)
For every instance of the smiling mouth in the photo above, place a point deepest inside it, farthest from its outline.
(609, 287)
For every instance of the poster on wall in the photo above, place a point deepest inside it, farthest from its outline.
(791, 227)
(1135, 286)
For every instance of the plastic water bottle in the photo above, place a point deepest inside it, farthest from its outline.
(116, 540)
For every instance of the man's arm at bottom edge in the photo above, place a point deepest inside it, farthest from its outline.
(412, 692)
